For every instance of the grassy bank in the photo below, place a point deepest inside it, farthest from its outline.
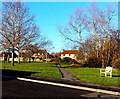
(93, 75)
(50, 70)
(38, 69)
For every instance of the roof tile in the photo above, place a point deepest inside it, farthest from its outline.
(69, 52)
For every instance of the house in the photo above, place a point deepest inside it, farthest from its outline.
(68, 53)
(5, 56)
(41, 54)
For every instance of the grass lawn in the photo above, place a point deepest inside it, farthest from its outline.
(51, 71)
(39, 69)
(93, 75)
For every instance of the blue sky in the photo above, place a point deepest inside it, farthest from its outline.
(50, 14)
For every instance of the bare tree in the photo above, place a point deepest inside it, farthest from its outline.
(8, 29)
(75, 28)
(101, 24)
(18, 28)
(29, 51)
(98, 23)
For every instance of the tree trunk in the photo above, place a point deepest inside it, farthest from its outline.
(18, 57)
(103, 61)
(8, 58)
(29, 60)
(12, 62)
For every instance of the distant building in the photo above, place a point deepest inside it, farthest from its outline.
(68, 53)
(5, 56)
(41, 54)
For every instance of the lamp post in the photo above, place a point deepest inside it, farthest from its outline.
(46, 56)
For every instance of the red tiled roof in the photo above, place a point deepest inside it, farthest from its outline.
(69, 52)
(41, 51)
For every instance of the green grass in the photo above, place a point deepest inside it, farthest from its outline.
(39, 69)
(93, 75)
(50, 70)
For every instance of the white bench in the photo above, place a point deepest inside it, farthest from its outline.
(107, 71)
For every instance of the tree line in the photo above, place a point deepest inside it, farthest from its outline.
(94, 32)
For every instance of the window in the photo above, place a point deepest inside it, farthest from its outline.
(40, 54)
(69, 54)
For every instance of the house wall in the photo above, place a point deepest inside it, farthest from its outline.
(16, 59)
(22, 59)
(68, 55)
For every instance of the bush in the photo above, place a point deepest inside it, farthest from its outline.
(116, 63)
(56, 60)
(93, 62)
(68, 60)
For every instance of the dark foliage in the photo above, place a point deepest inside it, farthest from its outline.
(93, 62)
(71, 62)
(68, 60)
(56, 59)
(116, 63)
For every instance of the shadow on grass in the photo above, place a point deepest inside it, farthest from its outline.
(16, 73)
(116, 75)
(71, 67)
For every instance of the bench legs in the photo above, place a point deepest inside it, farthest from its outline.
(110, 74)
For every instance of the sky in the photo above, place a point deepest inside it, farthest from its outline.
(64, 0)
(50, 14)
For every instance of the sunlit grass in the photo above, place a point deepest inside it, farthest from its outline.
(40, 69)
(50, 70)
(93, 75)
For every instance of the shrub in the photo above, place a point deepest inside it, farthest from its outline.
(56, 60)
(68, 60)
(93, 62)
(116, 63)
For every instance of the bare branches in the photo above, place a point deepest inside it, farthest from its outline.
(75, 28)
(17, 28)
(99, 24)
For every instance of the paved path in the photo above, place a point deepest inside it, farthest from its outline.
(66, 75)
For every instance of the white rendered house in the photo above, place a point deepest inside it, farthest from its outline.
(68, 53)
